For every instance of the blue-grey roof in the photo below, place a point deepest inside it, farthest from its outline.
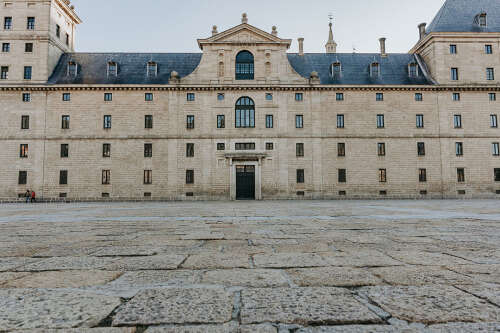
(92, 67)
(459, 15)
(356, 68)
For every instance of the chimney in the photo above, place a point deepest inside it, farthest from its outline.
(382, 47)
(301, 46)
(421, 30)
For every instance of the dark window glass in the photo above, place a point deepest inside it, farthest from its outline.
(299, 121)
(342, 176)
(23, 178)
(456, 97)
(65, 122)
(189, 149)
(380, 121)
(148, 177)
(269, 121)
(488, 49)
(107, 121)
(269, 146)
(421, 148)
(63, 177)
(422, 175)
(244, 146)
(497, 175)
(300, 176)
(148, 121)
(457, 121)
(64, 150)
(190, 122)
(26, 97)
(72, 69)
(148, 97)
(220, 97)
(4, 73)
(245, 113)
(381, 149)
(419, 97)
(221, 121)
(190, 97)
(495, 147)
(382, 175)
(341, 149)
(244, 66)
(454, 74)
(299, 97)
(453, 49)
(66, 97)
(492, 97)
(461, 175)
(413, 70)
(221, 146)
(490, 74)
(148, 150)
(494, 121)
(30, 23)
(189, 176)
(339, 97)
(340, 121)
(108, 97)
(5, 47)
(106, 177)
(152, 69)
(25, 122)
(28, 47)
(27, 72)
(58, 31)
(112, 69)
(7, 23)
(23, 150)
(420, 121)
(379, 97)
(269, 97)
(299, 150)
(106, 150)
(67, 39)
(459, 148)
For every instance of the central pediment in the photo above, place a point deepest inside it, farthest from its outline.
(244, 34)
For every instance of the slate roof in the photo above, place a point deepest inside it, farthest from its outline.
(92, 67)
(356, 68)
(458, 16)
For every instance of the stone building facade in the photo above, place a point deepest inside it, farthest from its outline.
(246, 119)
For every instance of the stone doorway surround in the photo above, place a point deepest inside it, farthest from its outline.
(246, 158)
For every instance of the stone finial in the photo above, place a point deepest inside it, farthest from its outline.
(214, 30)
(301, 46)
(331, 46)
(314, 75)
(174, 75)
(421, 30)
(244, 18)
(275, 31)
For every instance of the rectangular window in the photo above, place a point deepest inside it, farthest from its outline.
(495, 148)
(456, 97)
(148, 177)
(28, 47)
(421, 148)
(492, 97)
(7, 23)
(107, 122)
(63, 177)
(340, 121)
(461, 175)
(379, 97)
(341, 149)
(67, 39)
(221, 121)
(454, 74)
(497, 175)
(457, 121)
(342, 176)
(220, 97)
(4, 73)
(148, 150)
(30, 23)
(64, 150)
(488, 49)
(106, 150)
(381, 149)
(413, 70)
(190, 97)
(27, 72)
(108, 97)
(419, 97)
(106, 177)
(299, 97)
(490, 74)
(25, 122)
(269, 121)
(493, 121)
(300, 176)
(453, 49)
(269, 97)
(189, 149)
(152, 69)
(459, 148)
(65, 122)
(244, 146)
(299, 150)
(5, 47)
(422, 175)
(299, 121)
(148, 97)
(339, 97)
(189, 176)
(420, 121)
(380, 121)
(58, 31)
(148, 121)
(221, 146)
(66, 97)
(26, 97)
(382, 175)
(269, 146)
(190, 122)
(23, 151)
(23, 178)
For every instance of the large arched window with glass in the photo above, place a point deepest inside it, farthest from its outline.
(245, 113)
(244, 66)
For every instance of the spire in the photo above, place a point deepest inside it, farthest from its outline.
(331, 46)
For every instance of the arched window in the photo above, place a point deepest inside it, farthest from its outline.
(244, 66)
(245, 113)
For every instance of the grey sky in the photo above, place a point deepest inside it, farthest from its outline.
(174, 26)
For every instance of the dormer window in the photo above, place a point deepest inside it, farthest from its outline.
(481, 18)
(336, 69)
(375, 70)
(112, 68)
(72, 68)
(244, 66)
(412, 70)
(152, 69)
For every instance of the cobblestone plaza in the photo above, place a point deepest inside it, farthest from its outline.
(281, 266)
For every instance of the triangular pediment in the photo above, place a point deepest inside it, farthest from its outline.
(243, 34)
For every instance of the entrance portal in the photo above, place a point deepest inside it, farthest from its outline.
(245, 182)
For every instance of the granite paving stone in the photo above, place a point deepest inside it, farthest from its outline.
(289, 260)
(420, 275)
(490, 292)
(147, 263)
(483, 273)
(10, 264)
(257, 278)
(63, 279)
(9, 276)
(67, 263)
(231, 327)
(464, 328)
(357, 329)
(82, 330)
(427, 258)
(360, 258)
(259, 328)
(125, 251)
(159, 277)
(214, 261)
(333, 277)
